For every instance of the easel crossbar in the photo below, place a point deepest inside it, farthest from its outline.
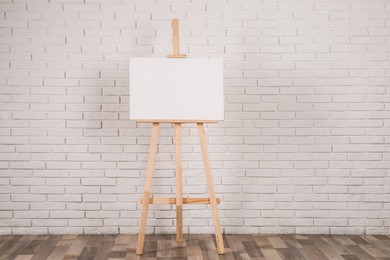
(185, 201)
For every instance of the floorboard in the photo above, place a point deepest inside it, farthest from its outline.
(196, 247)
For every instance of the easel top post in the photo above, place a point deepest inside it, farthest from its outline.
(175, 40)
(176, 54)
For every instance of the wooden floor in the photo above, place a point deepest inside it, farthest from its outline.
(288, 247)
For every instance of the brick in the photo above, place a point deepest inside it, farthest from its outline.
(27, 197)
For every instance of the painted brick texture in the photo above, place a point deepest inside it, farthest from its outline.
(304, 147)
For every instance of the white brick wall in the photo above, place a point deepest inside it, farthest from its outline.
(304, 147)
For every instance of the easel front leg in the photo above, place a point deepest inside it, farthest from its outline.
(148, 185)
(179, 184)
(210, 188)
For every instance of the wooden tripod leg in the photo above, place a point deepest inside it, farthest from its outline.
(148, 185)
(210, 188)
(179, 184)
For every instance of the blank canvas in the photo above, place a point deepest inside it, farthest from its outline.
(176, 89)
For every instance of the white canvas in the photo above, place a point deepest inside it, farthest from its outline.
(181, 89)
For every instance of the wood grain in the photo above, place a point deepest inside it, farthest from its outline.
(175, 41)
(184, 200)
(175, 121)
(179, 184)
(148, 185)
(197, 247)
(210, 187)
(179, 201)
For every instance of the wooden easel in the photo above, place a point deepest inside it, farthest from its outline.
(179, 200)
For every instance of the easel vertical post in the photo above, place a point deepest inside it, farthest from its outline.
(175, 36)
(175, 41)
(179, 184)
